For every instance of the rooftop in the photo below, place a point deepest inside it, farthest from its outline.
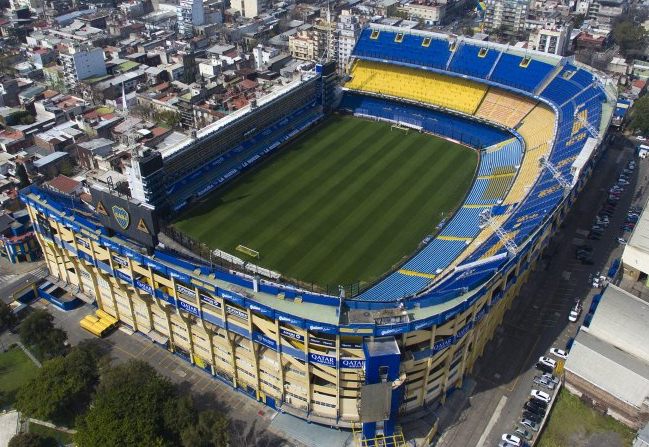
(64, 184)
(618, 373)
(636, 252)
(51, 158)
(623, 321)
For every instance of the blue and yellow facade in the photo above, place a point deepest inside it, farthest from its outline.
(17, 241)
(287, 348)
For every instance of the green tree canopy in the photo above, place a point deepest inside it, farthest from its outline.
(640, 115)
(7, 317)
(38, 332)
(21, 173)
(211, 430)
(27, 440)
(630, 37)
(63, 387)
(131, 408)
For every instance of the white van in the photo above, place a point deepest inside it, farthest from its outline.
(643, 151)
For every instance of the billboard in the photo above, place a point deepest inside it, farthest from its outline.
(126, 216)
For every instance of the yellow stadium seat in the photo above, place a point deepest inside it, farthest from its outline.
(418, 85)
(504, 108)
(536, 129)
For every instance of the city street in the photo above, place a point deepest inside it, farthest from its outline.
(538, 319)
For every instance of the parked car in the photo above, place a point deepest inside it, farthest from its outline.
(598, 280)
(522, 433)
(540, 395)
(515, 440)
(532, 416)
(559, 353)
(548, 361)
(538, 403)
(551, 378)
(621, 240)
(529, 406)
(544, 382)
(529, 424)
(575, 312)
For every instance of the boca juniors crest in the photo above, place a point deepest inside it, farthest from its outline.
(121, 216)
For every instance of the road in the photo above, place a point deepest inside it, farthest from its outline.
(24, 275)
(538, 319)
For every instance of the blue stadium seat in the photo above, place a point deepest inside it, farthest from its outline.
(509, 155)
(438, 254)
(464, 223)
(409, 51)
(468, 60)
(469, 132)
(561, 89)
(509, 72)
(394, 286)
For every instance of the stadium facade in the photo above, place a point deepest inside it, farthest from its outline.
(406, 341)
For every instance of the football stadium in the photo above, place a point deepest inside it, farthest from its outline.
(432, 177)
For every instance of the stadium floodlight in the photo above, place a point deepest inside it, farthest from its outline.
(545, 163)
(487, 219)
(584, 122)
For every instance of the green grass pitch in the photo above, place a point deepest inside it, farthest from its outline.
(342, 204)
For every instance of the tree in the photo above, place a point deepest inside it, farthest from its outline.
(20, 117)
(21, 173)
(167, 118)
(127, 408)
(27, 119)
(63, 387)
(7, 317)
(640, 115)
(211, 430)
(38, 332)
(630, 37)
(27, 440)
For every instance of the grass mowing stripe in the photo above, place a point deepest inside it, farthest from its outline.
(320, 190)
(369, 247)
(412, 215)
(370, 214)
(287, 198)
(275, 173)
(334, 212)
(340, 204)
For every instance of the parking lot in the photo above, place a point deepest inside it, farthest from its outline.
(538, 320)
